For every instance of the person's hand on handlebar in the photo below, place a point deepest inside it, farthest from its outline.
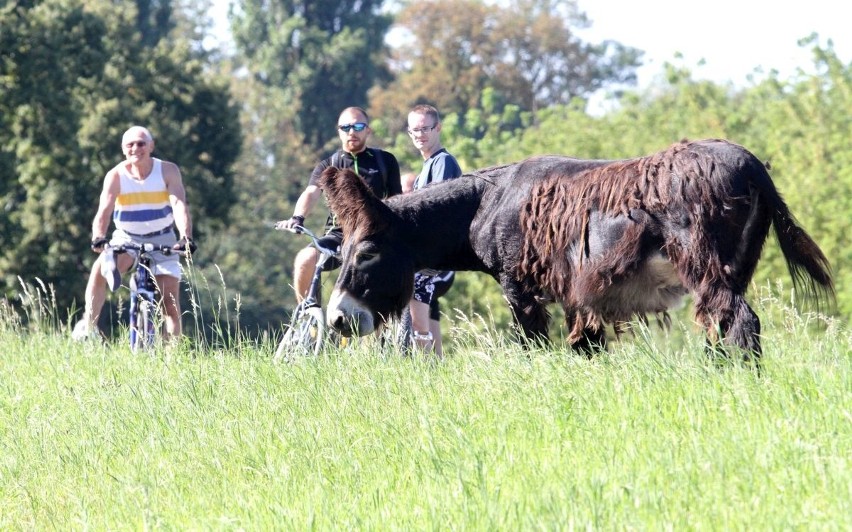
(185, 244)
(98, 243)
(291, 224)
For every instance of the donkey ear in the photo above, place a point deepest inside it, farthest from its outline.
(351, 200)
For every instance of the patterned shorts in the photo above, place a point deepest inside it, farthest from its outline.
(428, 288)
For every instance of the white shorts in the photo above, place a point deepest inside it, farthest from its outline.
(160, 264)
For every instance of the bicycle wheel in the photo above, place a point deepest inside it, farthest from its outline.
(304, 336)
(141, 323)
(396, 335)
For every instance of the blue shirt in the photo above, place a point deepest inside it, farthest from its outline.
(438, 167)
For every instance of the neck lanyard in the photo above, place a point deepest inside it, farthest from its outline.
(355, 162)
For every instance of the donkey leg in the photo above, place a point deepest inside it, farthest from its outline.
(727, 314)
(531, 316)
(591, 342)
(744, 329)
(533, 319)
(585, 336)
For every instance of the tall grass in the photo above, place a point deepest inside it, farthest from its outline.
(651, 435)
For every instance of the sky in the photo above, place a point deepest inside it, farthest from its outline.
(732, 37)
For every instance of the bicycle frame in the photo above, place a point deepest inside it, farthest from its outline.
(143, 293)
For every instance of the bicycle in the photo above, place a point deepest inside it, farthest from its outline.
(143, 289)
(307, 333)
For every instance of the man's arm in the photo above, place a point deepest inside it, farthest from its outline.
(177, 197)
(304, 205)
(106, 204)
(307, 199)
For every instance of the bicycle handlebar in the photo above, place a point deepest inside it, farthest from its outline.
(302, 230)
(146, 247)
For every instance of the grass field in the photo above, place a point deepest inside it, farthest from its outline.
(651, 435)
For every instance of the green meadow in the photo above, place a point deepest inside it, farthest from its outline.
(653, 434)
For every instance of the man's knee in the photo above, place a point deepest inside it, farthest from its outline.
(306, 258)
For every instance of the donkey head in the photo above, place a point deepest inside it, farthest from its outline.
(377, 273)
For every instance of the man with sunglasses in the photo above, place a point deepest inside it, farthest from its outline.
(145, 198)
(424, 127)
(379, 169)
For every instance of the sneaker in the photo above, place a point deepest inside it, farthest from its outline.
(82, 332)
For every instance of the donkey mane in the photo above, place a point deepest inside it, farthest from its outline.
(353, 202)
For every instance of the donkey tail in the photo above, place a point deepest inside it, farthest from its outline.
(808, 266)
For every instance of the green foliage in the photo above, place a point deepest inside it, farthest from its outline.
(54, 50)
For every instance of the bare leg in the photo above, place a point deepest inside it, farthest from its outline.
(96, 290)
(303, 271)
(170, 302)
(435, 329)
(424, 340)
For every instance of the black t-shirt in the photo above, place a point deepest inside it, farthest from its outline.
(367, 165)
(381, 176)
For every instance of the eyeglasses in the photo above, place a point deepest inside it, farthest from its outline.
(138, 144)
(357, 126)
(418, 130)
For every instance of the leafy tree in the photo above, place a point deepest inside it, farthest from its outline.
(527, 52)
(51, 51)
(316, 57)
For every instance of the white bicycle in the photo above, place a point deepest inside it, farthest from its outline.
(307, 332)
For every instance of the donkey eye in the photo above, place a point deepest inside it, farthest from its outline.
(364, 256)
(366, 252)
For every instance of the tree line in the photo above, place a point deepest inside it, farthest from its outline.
(247, 126)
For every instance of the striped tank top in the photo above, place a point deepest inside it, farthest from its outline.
(143, 207)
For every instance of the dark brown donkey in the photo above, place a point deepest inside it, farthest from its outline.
(608, 240)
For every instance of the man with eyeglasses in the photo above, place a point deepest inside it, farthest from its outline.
(379, 169)
(424, 127)
(146, 200)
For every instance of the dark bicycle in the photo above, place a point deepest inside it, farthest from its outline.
(307, 332)
(143, 289)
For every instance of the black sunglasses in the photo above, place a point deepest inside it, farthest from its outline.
(357, 126)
